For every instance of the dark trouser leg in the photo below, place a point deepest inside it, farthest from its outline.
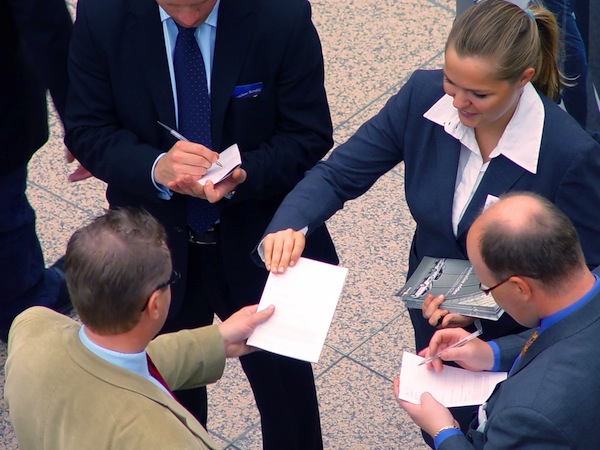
(285, 393)
(24, 280)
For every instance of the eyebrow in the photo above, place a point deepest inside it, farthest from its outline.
(477, 91)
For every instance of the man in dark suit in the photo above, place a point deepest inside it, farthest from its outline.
(526, 251)
(265, 78)
(34, 41)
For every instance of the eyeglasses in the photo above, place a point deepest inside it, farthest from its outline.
(175, 276)
(486, 290)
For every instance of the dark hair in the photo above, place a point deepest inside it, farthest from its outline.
(113, 265)
(504, 33)
(544, 245)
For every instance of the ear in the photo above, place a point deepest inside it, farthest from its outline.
(153, 308)
(526, 76)
(523, 288)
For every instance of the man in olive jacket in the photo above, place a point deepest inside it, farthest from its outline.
(94, 386)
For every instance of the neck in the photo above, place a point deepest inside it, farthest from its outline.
(488, 136)
(568, 294)
(129, 342)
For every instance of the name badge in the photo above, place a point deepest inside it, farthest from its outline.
(247, 90)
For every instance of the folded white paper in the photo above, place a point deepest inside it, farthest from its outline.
(305, 297)
(451, 387)
(230, 159)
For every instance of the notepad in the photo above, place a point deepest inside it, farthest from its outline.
(230, 159)
(451, 387)
(305, 298)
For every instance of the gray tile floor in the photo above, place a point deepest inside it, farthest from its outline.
(370, 48)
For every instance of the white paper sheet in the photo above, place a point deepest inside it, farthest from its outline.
(305, 297)
(230, 159)
(451, 387)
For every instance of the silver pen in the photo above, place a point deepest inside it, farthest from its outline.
(179, 136)
(460, 343)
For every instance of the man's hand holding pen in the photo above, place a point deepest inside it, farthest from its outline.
(185, 163)
(475, 354)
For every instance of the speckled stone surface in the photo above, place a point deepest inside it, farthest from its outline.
(370, 49)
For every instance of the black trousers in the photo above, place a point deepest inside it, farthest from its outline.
(283, 388)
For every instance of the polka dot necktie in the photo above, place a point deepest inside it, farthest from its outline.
(193, 105)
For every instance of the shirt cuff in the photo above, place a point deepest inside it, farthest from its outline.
(443, 435)
(496, 351)
(163, 192)
(260, 250)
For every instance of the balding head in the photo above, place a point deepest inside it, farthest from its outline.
(524, 234)
(113, 265)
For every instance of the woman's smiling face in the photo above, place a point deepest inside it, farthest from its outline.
(480, 99)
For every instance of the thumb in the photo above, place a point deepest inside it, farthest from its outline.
(261, 316)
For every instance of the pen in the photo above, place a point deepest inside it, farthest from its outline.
(179, 136)
(456, 344)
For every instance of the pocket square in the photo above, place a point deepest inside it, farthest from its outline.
(247, 90)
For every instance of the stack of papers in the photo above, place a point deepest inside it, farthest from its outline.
(456, 279)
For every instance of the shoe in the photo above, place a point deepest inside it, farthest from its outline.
(63, 303)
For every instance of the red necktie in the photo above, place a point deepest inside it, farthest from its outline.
(156, 374)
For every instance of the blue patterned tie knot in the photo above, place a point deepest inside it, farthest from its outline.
(193, 103)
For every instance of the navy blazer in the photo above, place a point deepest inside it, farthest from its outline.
(568, 175)
(550, 400)
(34, 41)
(121, 87)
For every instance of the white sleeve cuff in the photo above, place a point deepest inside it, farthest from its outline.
(163, 192)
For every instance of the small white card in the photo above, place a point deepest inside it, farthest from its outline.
(305, 298)
(451, 387)
(230, 159)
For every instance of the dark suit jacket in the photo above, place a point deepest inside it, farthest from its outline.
(568, 175)
(550, 400)
(34, 41)
(121, 87)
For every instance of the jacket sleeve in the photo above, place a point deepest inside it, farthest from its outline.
(109, 125)
(350, 170)
(189, 358)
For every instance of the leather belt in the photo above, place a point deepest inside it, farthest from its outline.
(209, 237)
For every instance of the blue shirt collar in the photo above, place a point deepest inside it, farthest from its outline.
(547, 322)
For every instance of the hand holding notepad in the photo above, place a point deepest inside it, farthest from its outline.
(305, 298)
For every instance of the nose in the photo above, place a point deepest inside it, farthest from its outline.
(460, 99)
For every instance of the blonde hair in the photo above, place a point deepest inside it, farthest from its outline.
(514, 39)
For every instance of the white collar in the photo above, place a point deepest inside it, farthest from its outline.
(521, 139)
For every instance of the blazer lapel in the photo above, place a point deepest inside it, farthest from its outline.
(235, 27)
(145, 32)
(500, 176)
(444, 177)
